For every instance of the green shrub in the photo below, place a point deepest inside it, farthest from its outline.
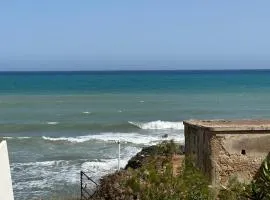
(259, 189)
(160, 184)
(154, 178)
(234, 191)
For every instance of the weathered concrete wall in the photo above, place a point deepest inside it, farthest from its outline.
(197, 148)
(6, 191)
(238, 154)
(225, 154)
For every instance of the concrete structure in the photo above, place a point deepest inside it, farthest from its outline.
(222, 148)
(6, 191)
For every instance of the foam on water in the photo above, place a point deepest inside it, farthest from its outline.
(159, 125)
(102, 167)
(43, 163)
(42, 176)
(19, 138)
(39, 179)
(7, 137)
(86, 112)
(78, 139)
(52, 123)
(134, 138)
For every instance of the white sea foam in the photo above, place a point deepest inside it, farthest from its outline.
(52, 123)
(20, 138)
(108, 137)
(104, 166)
(42, 176)
(23, 137)
(7, 137)
(42, 163)
(78, 139)
(134, 138)
(86, 112)
(159, 125)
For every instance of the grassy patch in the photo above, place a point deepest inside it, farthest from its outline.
(156, 178)
(162, 172)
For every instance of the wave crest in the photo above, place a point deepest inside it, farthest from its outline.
(134, 138)
(19, 138)
(52, 123)
(159, 125)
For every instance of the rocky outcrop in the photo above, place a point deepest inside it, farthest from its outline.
(111, 186)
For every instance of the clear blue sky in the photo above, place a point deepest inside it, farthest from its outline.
(133, 32)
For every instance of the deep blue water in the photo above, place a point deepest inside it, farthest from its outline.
(91, 82)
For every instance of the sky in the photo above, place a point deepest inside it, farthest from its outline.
(121, 34)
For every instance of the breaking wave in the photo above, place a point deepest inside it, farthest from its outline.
(102, 167)
(159, 125)
(86, 112)
(42, 176)
(84, 126)
(19, 138)
(134, 138)
(52, 123)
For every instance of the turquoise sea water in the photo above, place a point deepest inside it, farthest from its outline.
(58, 123)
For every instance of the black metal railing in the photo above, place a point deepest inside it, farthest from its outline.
(88, 186)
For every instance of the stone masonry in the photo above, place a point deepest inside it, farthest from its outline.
(223, 149)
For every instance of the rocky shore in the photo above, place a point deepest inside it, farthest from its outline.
(116, 185)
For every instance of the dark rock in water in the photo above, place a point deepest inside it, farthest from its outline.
(138, 160)
(165, 135)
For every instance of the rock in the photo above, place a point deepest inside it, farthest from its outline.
(165, 136)
(110, 185)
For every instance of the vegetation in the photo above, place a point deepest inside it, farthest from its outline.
(151, 183)
(153, 175)
(234, 191)
(258, 189)
(158, 179)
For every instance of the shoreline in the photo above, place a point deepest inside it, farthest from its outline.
(109, 186)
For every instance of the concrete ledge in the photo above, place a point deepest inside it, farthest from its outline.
(222, 149)
(231, 125)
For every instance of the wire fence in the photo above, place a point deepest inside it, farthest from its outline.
(88, 186)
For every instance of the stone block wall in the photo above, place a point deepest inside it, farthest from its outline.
(238, 155)
(198, 149)
(222, 155)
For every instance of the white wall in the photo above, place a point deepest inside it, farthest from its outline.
(6, 191)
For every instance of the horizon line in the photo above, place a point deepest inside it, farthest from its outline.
(133, 70)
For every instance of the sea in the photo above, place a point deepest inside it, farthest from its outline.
(59, 123)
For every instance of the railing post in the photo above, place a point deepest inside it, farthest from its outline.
(119, 152)
(81, 174)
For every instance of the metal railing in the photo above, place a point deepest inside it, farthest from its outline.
(88, 186)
